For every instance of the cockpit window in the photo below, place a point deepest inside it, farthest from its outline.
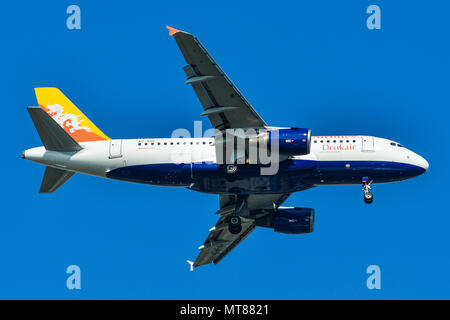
(392, 144)
(399, 145)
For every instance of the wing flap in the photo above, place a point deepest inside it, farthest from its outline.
(245, 232)
(220, 242)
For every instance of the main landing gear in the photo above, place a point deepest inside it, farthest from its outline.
(235, 222)
(368, 196)
(235, 225)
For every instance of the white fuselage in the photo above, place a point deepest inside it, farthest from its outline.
(99, 157)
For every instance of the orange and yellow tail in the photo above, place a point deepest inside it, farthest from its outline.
(68, 116)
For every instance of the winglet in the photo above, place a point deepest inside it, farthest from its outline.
(191, 264)
(172, 31)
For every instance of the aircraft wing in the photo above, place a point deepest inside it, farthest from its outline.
(225, 106)
(220, 241)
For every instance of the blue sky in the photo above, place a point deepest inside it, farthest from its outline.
(311, 64)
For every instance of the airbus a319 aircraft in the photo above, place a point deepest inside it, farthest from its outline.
(247, 198)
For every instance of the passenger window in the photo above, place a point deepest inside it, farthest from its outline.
(159, 143)
(348, 141)
(354, 141)
(139, 144)
(171, 143)
(334, 141)
(321, 141)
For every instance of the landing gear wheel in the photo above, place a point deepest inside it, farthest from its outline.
(234, 225)
(368, 197)
(231, 168)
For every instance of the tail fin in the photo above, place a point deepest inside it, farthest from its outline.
(68, 116)
(52, 135)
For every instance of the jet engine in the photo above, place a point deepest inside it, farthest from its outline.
(252, 146)
(293, 141)
(289, 220)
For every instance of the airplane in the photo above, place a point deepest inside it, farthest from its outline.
(247, 197)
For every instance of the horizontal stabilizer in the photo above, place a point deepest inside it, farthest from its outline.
(52, 135)
(53, 179)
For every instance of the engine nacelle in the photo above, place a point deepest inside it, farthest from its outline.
(293, 220)
(292, 141)
(289, 220)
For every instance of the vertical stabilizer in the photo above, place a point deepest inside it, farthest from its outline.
(68, 116)
(53, 137)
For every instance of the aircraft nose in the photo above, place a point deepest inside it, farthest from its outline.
(419, 161)
(423, 163)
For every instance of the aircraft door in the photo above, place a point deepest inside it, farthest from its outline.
(115, 149)
(367, 144)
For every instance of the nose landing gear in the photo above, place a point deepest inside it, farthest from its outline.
(368, 196)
